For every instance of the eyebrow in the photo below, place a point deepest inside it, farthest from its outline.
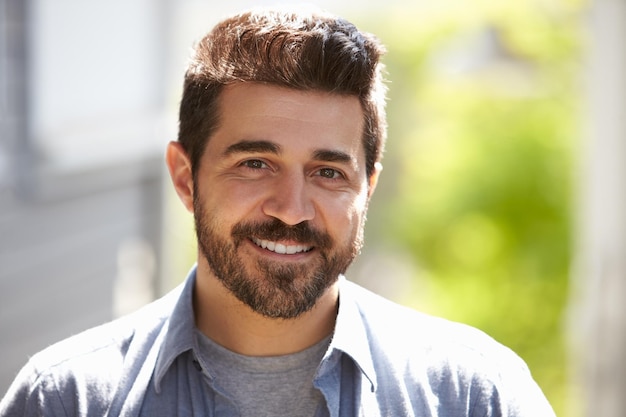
(332, 156)
(252, 146)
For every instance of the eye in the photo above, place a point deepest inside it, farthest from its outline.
(254, 164)
(330, 173)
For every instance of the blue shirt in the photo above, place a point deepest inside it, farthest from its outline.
(383, 360)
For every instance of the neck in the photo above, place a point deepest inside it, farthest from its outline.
(234, 325)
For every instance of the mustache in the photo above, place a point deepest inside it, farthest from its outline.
(275, 230)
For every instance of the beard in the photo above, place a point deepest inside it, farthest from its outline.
(274, 289)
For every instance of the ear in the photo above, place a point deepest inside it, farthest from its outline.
(373, 180)
(179, 166)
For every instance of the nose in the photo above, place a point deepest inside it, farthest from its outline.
(289, 200)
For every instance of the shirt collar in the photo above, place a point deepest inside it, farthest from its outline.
(350, 336)
(180, 332)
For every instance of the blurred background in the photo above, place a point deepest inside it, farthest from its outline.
(502, 202)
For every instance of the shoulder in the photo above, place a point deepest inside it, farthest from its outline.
(408, 333)
(88, 365)
(110, 339)
(454, 360)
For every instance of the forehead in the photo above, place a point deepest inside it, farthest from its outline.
(294, 119)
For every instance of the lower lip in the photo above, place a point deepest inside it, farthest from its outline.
(279, 256)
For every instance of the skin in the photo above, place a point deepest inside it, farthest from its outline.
(306, 164)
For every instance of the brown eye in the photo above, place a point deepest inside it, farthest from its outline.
(329, 173)
(254, 164)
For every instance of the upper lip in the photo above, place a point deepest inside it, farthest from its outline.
(281, 248)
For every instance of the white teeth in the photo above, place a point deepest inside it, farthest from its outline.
(280, 248)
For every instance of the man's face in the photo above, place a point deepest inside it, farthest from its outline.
(281, 194)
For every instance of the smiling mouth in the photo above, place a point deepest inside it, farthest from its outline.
(280, 248)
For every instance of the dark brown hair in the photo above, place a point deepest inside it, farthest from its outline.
(304, 51)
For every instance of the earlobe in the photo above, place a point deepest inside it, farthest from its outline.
(373, 180)
(179, 167)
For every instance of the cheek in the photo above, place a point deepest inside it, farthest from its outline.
(230, 203)
(346, 215)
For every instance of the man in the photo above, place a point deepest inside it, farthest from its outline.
(281, 133)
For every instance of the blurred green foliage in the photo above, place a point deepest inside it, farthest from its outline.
(484, 103)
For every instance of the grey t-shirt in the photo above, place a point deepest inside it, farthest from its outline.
(266, 386)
